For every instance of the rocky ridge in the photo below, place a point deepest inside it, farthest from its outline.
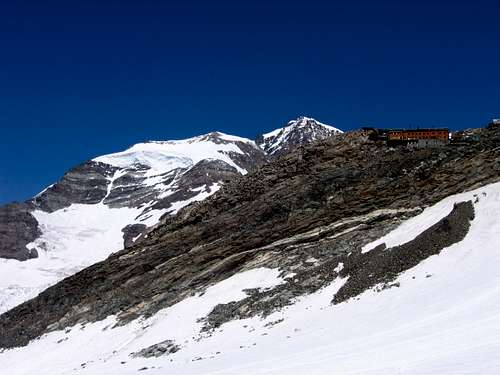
(309, 214)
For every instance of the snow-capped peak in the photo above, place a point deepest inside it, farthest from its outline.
(297, 132)
(303, 122)
(215, 136)
(163, 156)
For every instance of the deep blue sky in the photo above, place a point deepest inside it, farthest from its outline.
(80, 80)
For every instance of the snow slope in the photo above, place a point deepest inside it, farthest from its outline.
(72, 239)
(442, 319)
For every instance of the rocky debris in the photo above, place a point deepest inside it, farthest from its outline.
(249, 222)
(364, 271)
(157, 350)
(17, 229)
(273, 323)
(382, 266)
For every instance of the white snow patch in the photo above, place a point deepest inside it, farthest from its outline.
(203, 194)
(339, 267)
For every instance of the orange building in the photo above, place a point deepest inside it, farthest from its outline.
(441, 134)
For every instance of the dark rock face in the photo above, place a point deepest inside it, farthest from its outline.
(17, 229)
(252, 157)
(199, 178)
(86, 184)
(320, 202)
(130, 190)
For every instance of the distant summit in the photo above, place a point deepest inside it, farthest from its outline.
(297, 132)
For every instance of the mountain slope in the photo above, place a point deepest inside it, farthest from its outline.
(111, 201)
(97, 206)
(284, 242)
(442, 315)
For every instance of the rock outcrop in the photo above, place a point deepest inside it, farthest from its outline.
(17, 229)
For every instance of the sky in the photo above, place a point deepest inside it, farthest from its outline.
(82, 79)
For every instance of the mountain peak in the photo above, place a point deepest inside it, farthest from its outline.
(163, 156)
(300, 131)
(213, 136)
(304, 121)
